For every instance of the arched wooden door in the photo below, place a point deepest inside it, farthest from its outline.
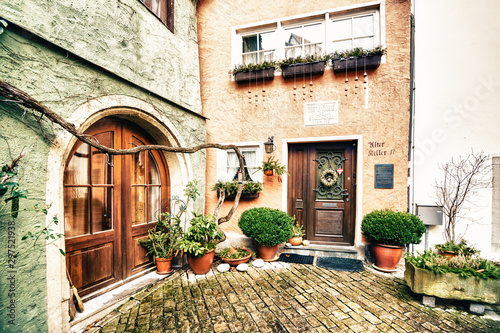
(110, 202)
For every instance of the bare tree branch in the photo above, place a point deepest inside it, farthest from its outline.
(12, 94)
(462, 178)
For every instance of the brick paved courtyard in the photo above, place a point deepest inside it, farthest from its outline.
(284, 297)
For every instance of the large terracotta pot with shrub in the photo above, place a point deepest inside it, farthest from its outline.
(268, 227)
(389, 232)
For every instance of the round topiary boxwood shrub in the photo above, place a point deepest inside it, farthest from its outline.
(267, 226)
(392, 228)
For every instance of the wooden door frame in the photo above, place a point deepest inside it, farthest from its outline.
(358, 139)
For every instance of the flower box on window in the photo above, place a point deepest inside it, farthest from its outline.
(250, 190)
(301, 69)
(362, 62)
(255, 75)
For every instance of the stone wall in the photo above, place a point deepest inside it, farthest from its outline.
(380, 114)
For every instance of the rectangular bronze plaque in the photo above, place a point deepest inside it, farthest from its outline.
(384, 175)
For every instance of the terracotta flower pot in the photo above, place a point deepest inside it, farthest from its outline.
(201, 265)
(295, 241)
(163, 265)
(236, 262)
(387, 257)
(268, 172)
(267, 253)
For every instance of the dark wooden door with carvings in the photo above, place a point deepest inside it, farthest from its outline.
(110, 203)
(322, 190)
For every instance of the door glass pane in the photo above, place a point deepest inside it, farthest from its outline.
(139, 168)
(138, 203)
(154, 203)
(101, 209)
(101, 169)
(329, 181)
(77, 172)
(153, 173)
(76, 212)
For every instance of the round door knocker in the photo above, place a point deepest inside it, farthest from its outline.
(328, 177)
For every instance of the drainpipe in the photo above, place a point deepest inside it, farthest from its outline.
(411, 147)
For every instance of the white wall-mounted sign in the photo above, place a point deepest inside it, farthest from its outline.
(321, 113)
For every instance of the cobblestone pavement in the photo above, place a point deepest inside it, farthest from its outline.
(284, 297)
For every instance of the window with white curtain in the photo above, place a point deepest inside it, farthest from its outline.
(303, 40)
(228, 163)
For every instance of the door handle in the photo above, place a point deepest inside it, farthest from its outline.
(345, 194)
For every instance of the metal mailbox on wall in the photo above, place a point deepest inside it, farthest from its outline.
(430, 215)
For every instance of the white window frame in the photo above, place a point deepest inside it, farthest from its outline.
(256, 146)
(376, 27)
(325, 16)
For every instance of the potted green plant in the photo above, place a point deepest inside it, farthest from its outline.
(389, 232)
(313, 64)
(250, 190)
(357, 58)
(199, 242)
(451, 249)
(268, 227)
(254, 72)
(272, 166)
(234, 255)
(163, 242)
(464, 277)
(298, 233)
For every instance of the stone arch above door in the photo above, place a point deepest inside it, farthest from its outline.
(143, 114)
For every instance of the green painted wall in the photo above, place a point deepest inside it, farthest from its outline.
(134, 55)
(123, 37)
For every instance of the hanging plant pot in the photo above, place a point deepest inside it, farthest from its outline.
(268, 172)
(308, 68)
(368, 62)
(255, 75)
(202, 264)
(163, 265)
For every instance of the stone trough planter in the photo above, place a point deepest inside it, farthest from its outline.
(452, 286)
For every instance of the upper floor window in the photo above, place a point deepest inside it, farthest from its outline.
(355, 31)
(304, 40)
(163, 9)
(317, 33)
(258, 47)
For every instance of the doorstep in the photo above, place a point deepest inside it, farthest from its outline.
(323, 250)
(98, 307)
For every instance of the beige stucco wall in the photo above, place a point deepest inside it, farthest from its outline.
(379, 114)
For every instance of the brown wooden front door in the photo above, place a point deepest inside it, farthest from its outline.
(110, 203)
(322, 190)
